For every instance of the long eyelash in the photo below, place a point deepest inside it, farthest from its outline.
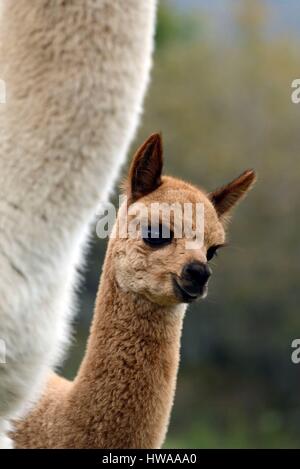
(220, 246)
(215, 248)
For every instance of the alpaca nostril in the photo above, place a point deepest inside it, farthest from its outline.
(196, 274)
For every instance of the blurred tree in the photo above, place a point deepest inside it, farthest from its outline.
(173, 27)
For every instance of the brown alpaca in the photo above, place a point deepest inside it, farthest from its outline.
(124, 390)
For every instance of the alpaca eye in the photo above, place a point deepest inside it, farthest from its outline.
(211, 252)
(157, 235)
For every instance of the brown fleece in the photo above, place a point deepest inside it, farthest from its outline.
(124, 390)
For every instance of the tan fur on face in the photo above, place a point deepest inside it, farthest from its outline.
(147, 271)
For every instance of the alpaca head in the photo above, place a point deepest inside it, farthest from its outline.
(173, 230)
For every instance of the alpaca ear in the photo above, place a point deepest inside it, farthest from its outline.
(146, 168)
(227, 196)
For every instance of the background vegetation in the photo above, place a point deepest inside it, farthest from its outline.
(223, 103)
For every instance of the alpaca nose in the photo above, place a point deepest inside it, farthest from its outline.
(195, 276)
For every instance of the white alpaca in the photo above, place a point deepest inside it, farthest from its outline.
(76, 72)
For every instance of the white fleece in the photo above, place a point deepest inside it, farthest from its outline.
(76, 72)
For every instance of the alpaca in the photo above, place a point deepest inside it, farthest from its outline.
(124, 390)
(76, 72)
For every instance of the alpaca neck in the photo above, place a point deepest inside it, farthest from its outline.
(125, 386)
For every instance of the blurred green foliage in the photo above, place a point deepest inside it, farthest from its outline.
(223, 105)
(175, 27)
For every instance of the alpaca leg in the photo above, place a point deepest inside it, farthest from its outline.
(76, 73)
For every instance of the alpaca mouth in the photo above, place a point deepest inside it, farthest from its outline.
(184, 295)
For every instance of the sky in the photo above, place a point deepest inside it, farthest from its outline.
(285, 14)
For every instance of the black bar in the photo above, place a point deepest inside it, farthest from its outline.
(142, 458)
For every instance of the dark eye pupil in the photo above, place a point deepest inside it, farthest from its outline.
(211, 252)
(157, 235)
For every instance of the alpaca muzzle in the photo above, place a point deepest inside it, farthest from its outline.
(192, 284)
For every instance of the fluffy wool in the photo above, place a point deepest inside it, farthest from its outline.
(123, 393)
(75, 72)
